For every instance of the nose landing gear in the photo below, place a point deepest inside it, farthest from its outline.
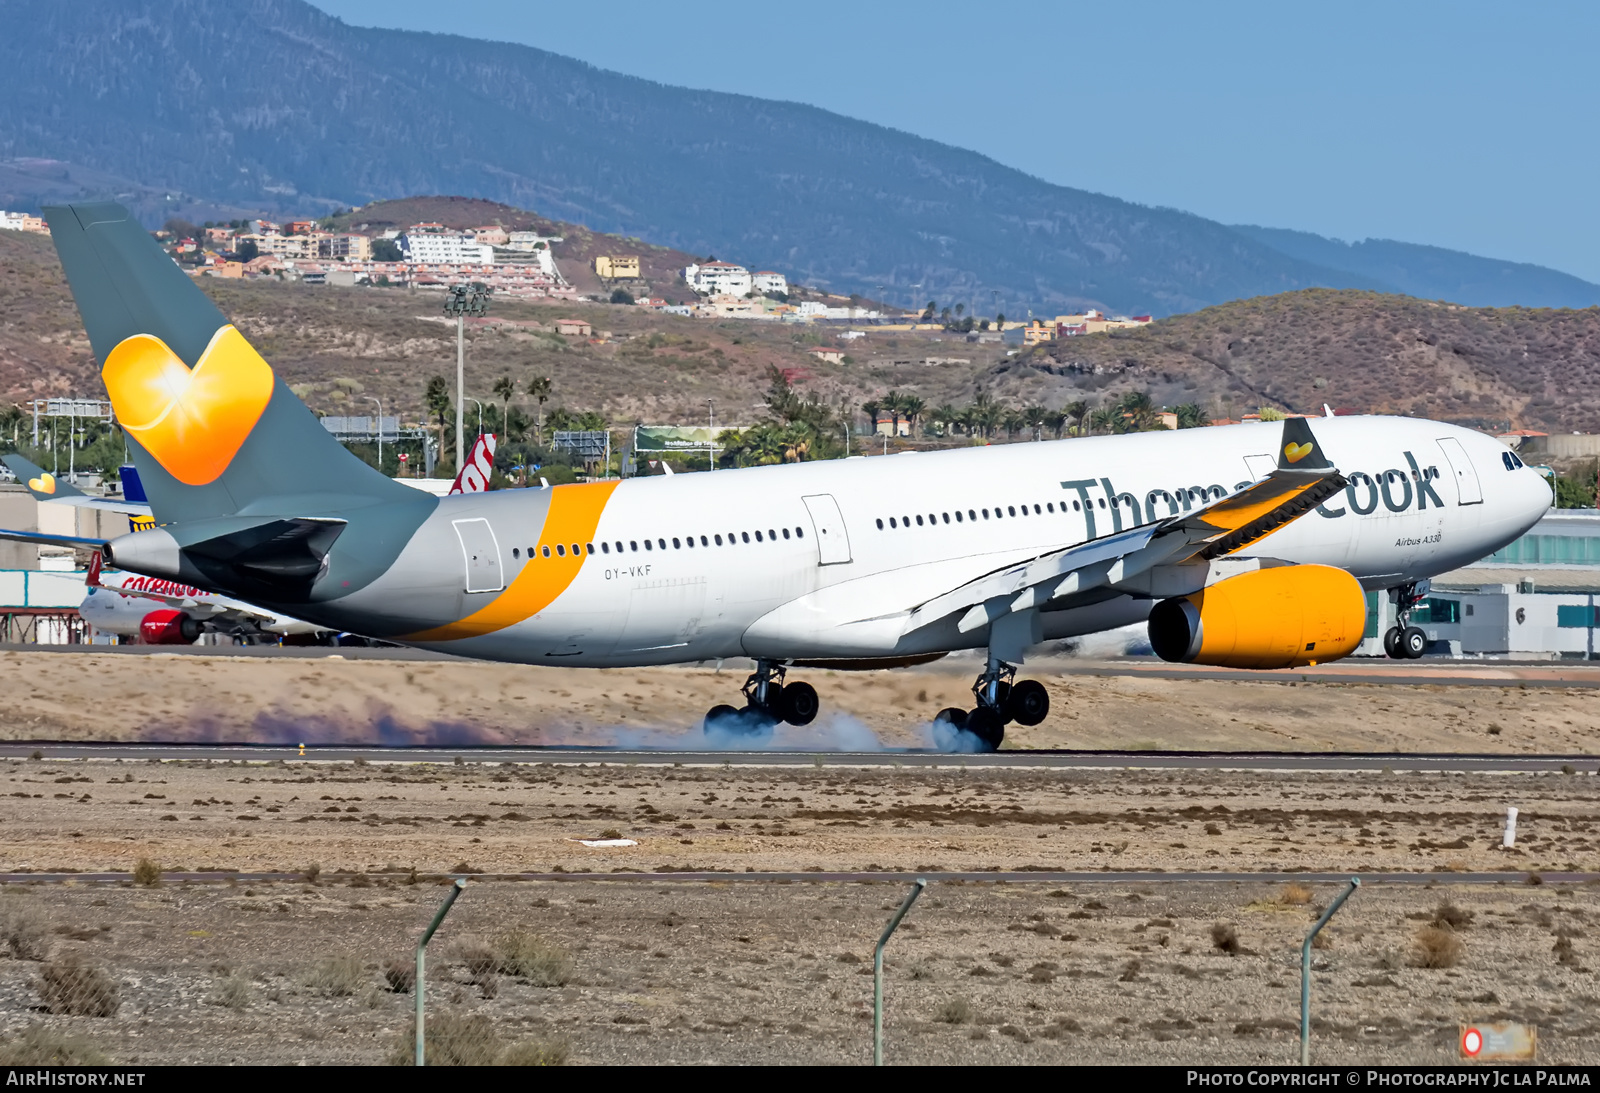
(768, 701)
(1406, 642)
(1000, 701)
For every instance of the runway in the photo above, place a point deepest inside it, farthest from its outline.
(892, 758)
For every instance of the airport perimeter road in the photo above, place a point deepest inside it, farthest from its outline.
(1021, 760)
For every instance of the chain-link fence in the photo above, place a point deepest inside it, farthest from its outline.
(658, 971)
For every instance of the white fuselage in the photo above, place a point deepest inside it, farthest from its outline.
(848, 548)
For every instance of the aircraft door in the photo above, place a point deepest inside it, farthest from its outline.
(1467, 486)
(833, 544)
(481, 552)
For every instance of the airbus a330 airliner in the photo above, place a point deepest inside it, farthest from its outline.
(1246, 546)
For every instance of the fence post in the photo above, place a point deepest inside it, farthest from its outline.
(1305, 969)
(427, 935)
(877, 970)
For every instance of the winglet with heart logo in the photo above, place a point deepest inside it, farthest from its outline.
(1301, 451)
(45, 483)
(192, 422)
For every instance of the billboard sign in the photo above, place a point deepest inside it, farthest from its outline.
(678, 438)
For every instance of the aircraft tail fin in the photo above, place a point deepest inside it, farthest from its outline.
(41, 483)
(212, 430)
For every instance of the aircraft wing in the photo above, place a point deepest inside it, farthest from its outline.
(1302, 480)
(47, 487)
(205, 606)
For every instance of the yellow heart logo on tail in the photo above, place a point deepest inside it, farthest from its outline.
(45, 483)
(1296, 452)
(192, 422)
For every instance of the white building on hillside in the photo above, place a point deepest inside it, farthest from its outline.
(718, 279)
(766, 281)
(454, 250)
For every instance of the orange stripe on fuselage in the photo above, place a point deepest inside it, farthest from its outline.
(571, 522)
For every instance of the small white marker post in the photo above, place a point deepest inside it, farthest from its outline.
(1508, 841)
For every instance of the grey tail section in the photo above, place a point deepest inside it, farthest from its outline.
(1292, 453)
(26, 472)
(124, 285)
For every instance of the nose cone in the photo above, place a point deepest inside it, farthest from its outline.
(1534, 496)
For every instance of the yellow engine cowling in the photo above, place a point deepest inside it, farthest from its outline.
(1283, 617)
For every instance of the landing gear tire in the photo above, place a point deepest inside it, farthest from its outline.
(1028, 703)
(948, 725)
(1391, 643)
(720, 719)
(988, 726)
(756, 722)
(1413, 643)
(798, 703)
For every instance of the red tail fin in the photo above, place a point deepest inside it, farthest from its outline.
(474, 476)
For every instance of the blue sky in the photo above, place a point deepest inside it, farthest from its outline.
(1465, 125)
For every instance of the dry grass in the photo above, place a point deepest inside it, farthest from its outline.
(400, 974)
(450, 1039)
(336, 977)
(957, 1011)
(552, 1052)
(73, 986)
(1436, 947)
(26, 933)
(526, 955)
(234, 992)
(146, 873)
(1226, 939)
(1449, 915)
(38, 1045)
(1294, 894)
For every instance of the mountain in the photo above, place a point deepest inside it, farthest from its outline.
(272, 104)
(1433, 273)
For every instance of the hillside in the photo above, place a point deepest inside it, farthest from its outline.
(1364, 351)
(271, 103)
(1486, 367)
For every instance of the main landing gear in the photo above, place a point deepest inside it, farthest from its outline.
(1000, 700)
(1406, 642)
(768, 700)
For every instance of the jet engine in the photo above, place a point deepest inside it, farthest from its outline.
(1283, 617)
(169, 626)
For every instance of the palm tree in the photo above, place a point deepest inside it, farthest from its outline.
(1036, 416)
(871, 408)
(1055, 421)
(436, 399)
(891, 403)
(1076, 410)
(1104, 420)
(945, 418)
(1190, 415)
(985, 413)
(1013, 422)
(912, 407)
(539, 388)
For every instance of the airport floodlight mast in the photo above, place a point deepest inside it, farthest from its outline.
(461, 301)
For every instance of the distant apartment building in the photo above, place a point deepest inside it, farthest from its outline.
(828, 354)
(345, 248)
(301, 227)
(22, 222)
(1068, 326)
(766, 281)
(617, 267)
(280, 246)
(577, 328)
(492, 235)
(427, 227)
(718, 279)
(439, 249)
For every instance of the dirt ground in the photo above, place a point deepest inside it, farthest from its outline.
(649, 971)
(728, 973)
(184, 697)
